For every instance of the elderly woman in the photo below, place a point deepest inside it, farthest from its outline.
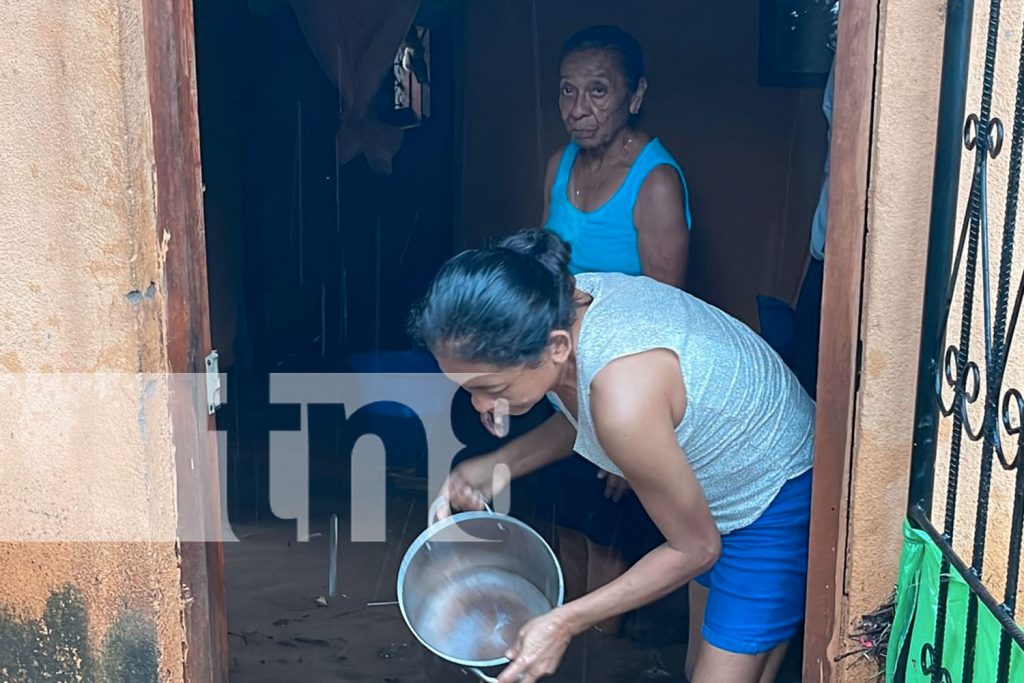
(617, 196)
(614, 193)
(708, 425)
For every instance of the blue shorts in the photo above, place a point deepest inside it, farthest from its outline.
(757, 589)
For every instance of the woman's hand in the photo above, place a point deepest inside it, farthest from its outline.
(472, 484)
(615, 487)
(477, 480)
(539, 648)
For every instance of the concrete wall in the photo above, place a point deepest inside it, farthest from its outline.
(752, 155)
(82, 272)
(899, 203)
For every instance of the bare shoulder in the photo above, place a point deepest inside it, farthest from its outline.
(663, 184)
(660, 204)
(638, 383)
(651, 364)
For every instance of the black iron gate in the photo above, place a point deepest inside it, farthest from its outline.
(961, 378)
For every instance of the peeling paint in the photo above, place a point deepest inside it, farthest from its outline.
(165, 244)
(135, 297)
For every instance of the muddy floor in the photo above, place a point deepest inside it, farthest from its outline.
(282, 630)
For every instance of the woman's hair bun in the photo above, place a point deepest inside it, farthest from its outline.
(542, 245)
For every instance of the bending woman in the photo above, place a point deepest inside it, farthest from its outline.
(712, 431)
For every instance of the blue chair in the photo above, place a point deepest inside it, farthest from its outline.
(778, 327)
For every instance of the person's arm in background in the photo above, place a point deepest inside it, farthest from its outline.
(663, 237)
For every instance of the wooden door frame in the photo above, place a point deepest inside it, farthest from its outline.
(839, 357)
(169, 30)
(169, 37)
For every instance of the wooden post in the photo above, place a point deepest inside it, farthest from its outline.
(170, 56)
(840, 332)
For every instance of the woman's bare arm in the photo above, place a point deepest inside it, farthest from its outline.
(636, 403)
(663, 237)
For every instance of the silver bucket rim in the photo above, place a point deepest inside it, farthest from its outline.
(435, 528)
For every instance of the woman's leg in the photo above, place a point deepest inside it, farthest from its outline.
(715, 665)
(695, 641)
(774, 663)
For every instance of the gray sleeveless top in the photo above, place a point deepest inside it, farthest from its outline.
(748, 426)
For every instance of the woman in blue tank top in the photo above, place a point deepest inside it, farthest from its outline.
(620, 200)
(614, 193)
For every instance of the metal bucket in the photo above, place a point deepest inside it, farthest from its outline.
(469, 583)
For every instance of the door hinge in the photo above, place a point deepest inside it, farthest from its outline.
(213, 401)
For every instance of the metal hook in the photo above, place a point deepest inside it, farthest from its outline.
(995, 138)
(971, 131)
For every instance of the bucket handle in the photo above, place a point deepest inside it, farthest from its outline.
(435, 508)
(482, 676)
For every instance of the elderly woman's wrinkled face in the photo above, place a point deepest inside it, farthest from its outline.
(594, 97)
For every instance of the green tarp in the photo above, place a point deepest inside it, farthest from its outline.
(917, 599)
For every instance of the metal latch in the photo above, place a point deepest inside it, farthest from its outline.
(212, 383)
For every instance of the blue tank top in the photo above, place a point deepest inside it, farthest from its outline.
(604, 240)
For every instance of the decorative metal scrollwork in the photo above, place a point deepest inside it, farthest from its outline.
(970, 384)
(931, 666)
(1002, 410)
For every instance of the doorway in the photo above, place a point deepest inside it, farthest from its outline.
(313, 265)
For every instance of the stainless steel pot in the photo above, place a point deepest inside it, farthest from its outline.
(468, 583)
